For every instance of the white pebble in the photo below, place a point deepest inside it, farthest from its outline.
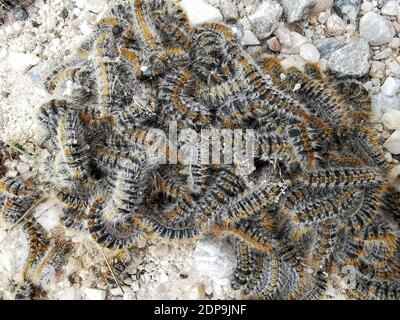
(310, 53)
(80, 4)
(116, 292)
(249, 39)
(394, 67)
(323, 17)
(391, 119)
(47, 214)
(393, 143)
(20, 62)
(85, 28)
(395, 43)
(391, 87)
(376, 29)
(367, 6)
(23, 168)
(199, 12)
(377, 69)
(76, 12)
(163, 277)
(335, 26)
(392, 8)
(94, 294)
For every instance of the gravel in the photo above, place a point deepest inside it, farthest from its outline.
(351, 60)
(376, 29)
(348, 38)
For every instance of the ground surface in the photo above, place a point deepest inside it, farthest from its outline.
(162, 270)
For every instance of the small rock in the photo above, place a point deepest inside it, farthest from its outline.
(377, 69)
(21, 14)
(394, 174)
(323, 17)
(295, 10)
(376, 29)
(322, 64)
(384, 54)
(309, 52)
(12, 173)
(393, 143)
(71, 293)
(396, 26)
(21, 62)
(163, 278)
(394, 67)
(116, 291)
(273, 44)
(388, 157)
(392, 8)
(347, 9)
(199, 12)
(291, 41)
(335, 26)
(135, 286)
(395, 43)
(94, 294)
(208, 290)
(367, 6)
(391, 87)
(23, 168)
(47, 214)
(265, 19)
(228, 10)
(381, 103)
(249, 39)
(380, 3)
(11, 164)
(238, 32)
(351, 60)
(141, 243)
(391, 120)
(85, 28)
(328, 45)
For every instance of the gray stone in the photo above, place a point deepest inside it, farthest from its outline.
(295, 10)
(376, 29)
(328, 45)
(229, 10)
(21, 14)
(265, 20)
(350, 60)
(347, 9)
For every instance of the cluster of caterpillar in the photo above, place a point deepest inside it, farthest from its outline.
(316, 201)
